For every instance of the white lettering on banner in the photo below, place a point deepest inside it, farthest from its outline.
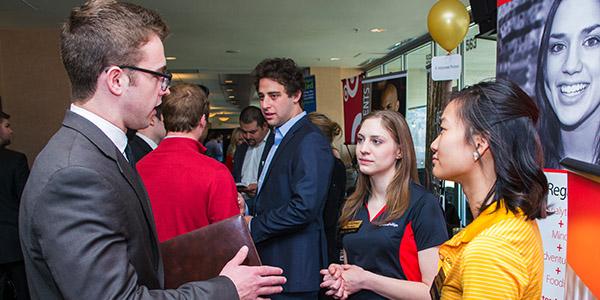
(554, 237)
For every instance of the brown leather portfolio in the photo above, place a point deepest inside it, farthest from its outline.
(202, 253)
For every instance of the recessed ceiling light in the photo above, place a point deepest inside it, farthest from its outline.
(231, 97)
(229, 90)
(377, 30)
(228, 81)
(334, 58)
(171, 58)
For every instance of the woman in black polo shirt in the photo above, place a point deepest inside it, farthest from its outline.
(391, 226)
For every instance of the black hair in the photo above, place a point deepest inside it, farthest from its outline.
(251, 114)
(505, 115)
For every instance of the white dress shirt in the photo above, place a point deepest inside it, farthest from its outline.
(252, 161)
(114, 133)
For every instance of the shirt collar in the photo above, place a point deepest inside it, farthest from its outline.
(285, 128)
(148, 140)
(486, 219)
(114, 133)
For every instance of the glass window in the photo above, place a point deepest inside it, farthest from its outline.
(479, 58)
(395, 65)
(375, 71)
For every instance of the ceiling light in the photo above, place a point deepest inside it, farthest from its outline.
(228, 81)
(223, 119)
(171, 58)
(211, 115)
(377, 30)
(334, 58)
(231, 97)
(229, 90)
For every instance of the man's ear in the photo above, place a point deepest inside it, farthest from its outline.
(202, 122)
(296, 97)
(116, 80)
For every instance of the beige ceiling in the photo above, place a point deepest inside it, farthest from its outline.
(311, 32)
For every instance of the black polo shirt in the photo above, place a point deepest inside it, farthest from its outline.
(391, 249)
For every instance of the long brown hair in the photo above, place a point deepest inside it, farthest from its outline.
(397, 192)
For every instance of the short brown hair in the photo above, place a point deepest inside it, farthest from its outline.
(184, 107)
(101, 33)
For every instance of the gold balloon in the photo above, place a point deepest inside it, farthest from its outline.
(448, 23)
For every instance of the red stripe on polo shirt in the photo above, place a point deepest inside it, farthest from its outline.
(408, 255)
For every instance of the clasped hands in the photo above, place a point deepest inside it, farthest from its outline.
(342, 280)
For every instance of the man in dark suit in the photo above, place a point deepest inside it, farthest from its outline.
(13, 175)
(146, 139)
(287, 225)
(246, 158)
(86, 227)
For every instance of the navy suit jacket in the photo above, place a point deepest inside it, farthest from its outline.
(288, 222)
(238, 161)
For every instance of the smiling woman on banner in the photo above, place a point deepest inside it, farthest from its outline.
(488, 143)
(568, 82)
(392, 227)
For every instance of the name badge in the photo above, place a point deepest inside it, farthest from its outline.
(351, 226)
(436, 287)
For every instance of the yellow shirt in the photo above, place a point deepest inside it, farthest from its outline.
(498, 256)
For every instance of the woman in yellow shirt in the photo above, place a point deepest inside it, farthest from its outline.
(488, 143)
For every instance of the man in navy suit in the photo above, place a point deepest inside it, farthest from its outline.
(287, 225)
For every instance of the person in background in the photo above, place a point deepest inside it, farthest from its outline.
(14, 171)
(236, 140)
(204, 189)
(489, 144)
(247, 158)
(85, 222)
(392, 227)
(214, 146)
(147, 139)
(337, 187)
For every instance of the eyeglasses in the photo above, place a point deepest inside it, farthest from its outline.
(165, 77)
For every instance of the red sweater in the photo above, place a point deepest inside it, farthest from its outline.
(187, 189)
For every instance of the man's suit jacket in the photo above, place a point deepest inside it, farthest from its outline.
(139, 147)
(86, 227)
(288, 223)
(13, 176)
(238, 161)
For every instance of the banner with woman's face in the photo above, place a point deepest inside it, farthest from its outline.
(552, 49)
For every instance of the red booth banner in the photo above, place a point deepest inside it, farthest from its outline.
(353, 97)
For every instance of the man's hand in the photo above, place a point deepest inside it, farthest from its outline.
(252, 282)
(251, 190)
(248, 219)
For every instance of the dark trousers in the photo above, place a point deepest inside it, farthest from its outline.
(15, 273)
(296, 296)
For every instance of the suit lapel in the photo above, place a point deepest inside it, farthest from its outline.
(268, 145)
(282, 145)
(106, 146)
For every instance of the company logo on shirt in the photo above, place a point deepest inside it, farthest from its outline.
(389, 225)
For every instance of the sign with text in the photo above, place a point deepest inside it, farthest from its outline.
(554, 236)
(309, 98)
(353, 97)
(446, 67)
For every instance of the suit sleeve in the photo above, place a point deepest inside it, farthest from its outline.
(312, 165)
(79, 225)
